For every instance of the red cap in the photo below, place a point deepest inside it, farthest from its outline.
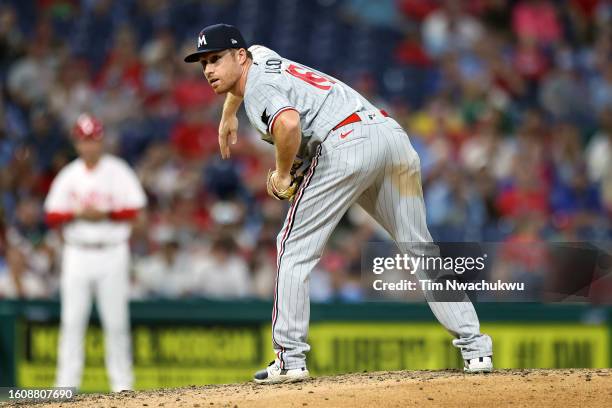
(88, 127)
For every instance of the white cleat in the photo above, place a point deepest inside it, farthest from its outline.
(478, 365)
(273, 374)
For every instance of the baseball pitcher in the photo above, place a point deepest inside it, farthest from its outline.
(354, 153)
(94, 199)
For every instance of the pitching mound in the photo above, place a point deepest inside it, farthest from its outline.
(450, 388)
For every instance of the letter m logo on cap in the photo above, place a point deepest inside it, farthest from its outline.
(201, 40)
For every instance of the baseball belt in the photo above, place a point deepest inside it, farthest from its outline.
(355, 118)
(93, 245)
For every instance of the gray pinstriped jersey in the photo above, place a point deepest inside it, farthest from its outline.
(376, 167)
(275, 84)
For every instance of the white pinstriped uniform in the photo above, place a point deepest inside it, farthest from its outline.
(370, 162)
(95, 264)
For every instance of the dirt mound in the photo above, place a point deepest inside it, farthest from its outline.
(449, 388)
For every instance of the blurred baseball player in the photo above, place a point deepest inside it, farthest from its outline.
(94, 198)
(356, 154)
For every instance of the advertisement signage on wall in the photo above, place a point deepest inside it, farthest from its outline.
(180, 355)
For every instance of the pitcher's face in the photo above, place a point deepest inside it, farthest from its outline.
(222, 69)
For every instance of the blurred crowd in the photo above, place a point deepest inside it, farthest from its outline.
(508, 103)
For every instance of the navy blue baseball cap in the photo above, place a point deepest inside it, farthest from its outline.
(217, 37)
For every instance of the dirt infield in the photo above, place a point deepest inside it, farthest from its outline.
(450, 388)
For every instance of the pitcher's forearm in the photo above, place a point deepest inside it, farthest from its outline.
(231, 105)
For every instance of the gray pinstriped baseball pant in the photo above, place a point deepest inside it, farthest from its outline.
(372, 164)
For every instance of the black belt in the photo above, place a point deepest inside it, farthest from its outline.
(93, 245)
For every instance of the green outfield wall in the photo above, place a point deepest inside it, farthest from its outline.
(195, 342)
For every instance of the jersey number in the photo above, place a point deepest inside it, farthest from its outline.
(313, 79)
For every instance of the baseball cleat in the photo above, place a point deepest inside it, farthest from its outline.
(478, 365)
(273, 374)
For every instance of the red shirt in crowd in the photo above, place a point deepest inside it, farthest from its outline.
(537, 19)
